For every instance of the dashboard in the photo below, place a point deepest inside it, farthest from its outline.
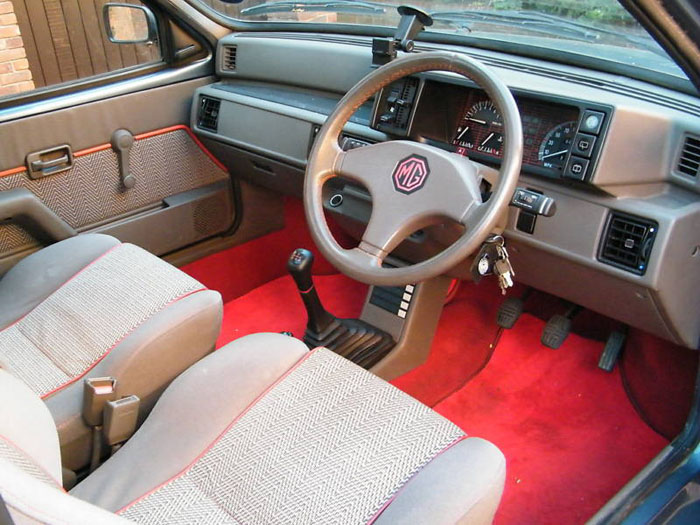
(562, 137)
(614, 154)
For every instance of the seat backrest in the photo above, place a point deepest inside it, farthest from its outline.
(28, 436)
(30, 462)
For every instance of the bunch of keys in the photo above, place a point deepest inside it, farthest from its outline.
(493, 259)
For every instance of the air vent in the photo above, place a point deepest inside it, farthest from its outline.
(628, 242)
(228, 60)
(689, 161)
(209, 113)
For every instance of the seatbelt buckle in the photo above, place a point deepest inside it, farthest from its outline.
(120, 417)
(96, 392)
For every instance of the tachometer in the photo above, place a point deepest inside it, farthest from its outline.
(556, 145)
(481, 129)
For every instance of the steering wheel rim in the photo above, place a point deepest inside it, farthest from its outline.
(327, 161)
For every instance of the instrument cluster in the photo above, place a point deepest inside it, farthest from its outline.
(562, 137)
(549, 130)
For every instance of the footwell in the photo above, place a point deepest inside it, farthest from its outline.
(570, 435)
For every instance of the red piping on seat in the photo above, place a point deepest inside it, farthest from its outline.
(62, 285)
(396, 494)
(36, 463)
(74, 379)
(228, 427)
(116, 343)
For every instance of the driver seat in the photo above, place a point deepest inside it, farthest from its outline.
(261, 431)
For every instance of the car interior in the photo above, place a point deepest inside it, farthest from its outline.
(349, 262)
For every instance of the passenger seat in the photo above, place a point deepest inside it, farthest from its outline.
(90, 306)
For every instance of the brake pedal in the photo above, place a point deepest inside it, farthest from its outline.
(556, 331)
(509, 312)
(611, 352)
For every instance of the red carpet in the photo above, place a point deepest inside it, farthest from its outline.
(570, 435)
(569, 432)
(243, 268)
(462, 344)
(277, 307)
(660, 379)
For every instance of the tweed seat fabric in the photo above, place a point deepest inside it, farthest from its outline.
(70, 331)
(262, 432)
(329, 443)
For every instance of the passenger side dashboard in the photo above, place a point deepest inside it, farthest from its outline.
(625, 238)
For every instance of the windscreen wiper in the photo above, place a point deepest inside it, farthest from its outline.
(538, 22)
(338, 6)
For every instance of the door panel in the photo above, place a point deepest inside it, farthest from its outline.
(182, 193)
(83, 126)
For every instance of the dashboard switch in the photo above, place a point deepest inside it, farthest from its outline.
(533, 202)
(592, 121)
(526, 222)
(583, 145)
(576, 168)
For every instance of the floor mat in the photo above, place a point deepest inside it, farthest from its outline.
(569, 433)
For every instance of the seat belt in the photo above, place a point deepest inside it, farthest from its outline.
(5, 518)
(112, 420)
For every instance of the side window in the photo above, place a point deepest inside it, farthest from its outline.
(45, 43)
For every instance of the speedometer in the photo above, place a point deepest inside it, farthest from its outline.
(556, 145)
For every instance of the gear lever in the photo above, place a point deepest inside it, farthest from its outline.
(354, 339)
(299, 266)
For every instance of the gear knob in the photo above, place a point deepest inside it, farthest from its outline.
(299, 266)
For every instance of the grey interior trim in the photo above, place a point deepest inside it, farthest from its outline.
(415, 333)
(315, 101)
(205, 26)
(197, 69)
(660, 301)
(654, 129)
(579, 77)
(162, 230)
(91, 124)
(27, 210)
(270, 128)
(263, 214)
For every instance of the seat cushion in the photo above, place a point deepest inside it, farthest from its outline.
(122, 312)
(263, 431)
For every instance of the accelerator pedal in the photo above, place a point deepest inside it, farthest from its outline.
(611, 352)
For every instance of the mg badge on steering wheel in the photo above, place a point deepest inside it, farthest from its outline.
(410, 174)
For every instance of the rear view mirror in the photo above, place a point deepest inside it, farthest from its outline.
(129, 24)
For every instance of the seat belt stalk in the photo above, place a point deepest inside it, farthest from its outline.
(120, 417)
(96, 392)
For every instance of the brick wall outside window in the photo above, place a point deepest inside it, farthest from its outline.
(15, 75)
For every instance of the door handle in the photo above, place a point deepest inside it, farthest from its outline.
(46, 162)
(39, 165)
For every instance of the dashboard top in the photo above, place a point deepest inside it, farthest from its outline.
(643, 142)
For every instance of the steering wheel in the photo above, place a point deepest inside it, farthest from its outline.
(412, 185)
